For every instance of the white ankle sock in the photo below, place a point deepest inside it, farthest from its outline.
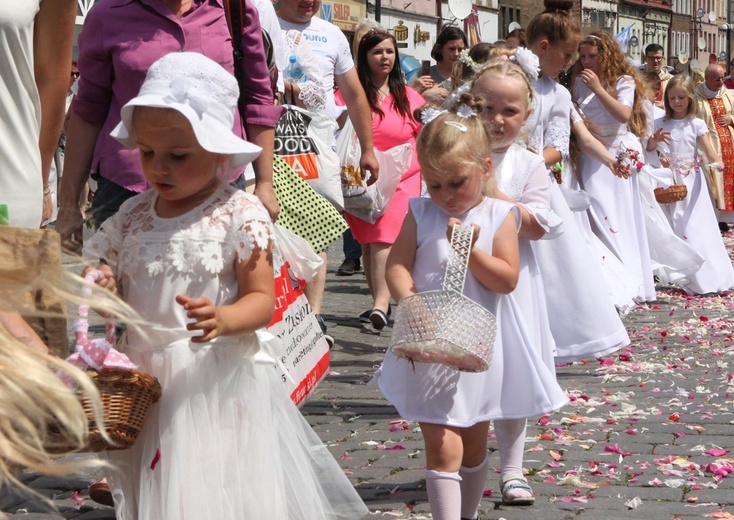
(444, 494)
(472, 488)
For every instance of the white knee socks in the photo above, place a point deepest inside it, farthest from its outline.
(444, 494)
(511, 442)
(472, 488)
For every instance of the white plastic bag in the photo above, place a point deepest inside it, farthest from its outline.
(304, 139)
(360, 200)
(296, 340)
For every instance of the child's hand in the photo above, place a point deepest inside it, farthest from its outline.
(591, 80)
(205, 313)
(108, 282)
(620, 170)
(661, 136)
(664, 161)
(456, 222)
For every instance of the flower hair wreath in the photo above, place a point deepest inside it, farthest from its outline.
(468, 61)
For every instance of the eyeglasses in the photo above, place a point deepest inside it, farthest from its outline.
(75, 74)
(655, 58)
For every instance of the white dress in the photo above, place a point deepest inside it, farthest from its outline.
(522, 176)
(673, 259)
(616, 204)
(21, 184)
(583, 320)
(693, 219)
(517, 384)
(225, 440)
(617, 278)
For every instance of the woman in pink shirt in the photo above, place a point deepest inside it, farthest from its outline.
(119, 41)
(392, 104)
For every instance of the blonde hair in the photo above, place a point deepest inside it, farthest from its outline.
(501, 65)
(685, 83)
(613, 64)
(32, 396)
(464, 140)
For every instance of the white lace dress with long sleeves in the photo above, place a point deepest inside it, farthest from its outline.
(517, 384)
(693, 219)
(225, 440)
(616, 209)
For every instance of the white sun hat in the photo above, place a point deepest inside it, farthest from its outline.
(201, 90)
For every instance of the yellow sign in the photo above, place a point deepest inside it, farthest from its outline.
(400, 31)
(347, 14)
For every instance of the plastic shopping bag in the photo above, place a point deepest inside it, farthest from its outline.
(303, 351)
(304, 139)
(360, 200)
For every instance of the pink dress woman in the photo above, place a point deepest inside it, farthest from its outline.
(388, 132)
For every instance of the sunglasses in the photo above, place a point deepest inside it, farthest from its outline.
(75, 74)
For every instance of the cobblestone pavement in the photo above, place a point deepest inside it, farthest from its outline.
(647, 435)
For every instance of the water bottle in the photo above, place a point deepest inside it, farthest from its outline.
(294, 72)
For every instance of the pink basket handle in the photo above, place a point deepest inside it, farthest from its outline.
(81, 328)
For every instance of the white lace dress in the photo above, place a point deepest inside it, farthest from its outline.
(616, 210)
(224, 441)
(517, 385)
(693, 219)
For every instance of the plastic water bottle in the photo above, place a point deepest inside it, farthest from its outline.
(294, 72)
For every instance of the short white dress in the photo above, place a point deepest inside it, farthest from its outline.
(616, 210)
(517, 384)
(693, 219)
(225, 440)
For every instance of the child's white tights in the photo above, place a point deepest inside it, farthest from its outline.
(510, 435)
(472, 488)
(444, 494)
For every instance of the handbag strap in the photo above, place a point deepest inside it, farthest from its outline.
(234, 12)
(458, 261)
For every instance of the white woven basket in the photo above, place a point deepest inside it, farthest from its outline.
(445, 326)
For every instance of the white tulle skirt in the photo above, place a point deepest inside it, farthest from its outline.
(225, 442)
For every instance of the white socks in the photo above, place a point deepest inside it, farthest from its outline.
(444, 494)
(510, 435)
(472, 488)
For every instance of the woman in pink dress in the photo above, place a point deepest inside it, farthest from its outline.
(393, 124)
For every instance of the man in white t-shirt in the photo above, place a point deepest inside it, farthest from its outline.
(331, 46)
(335, 59)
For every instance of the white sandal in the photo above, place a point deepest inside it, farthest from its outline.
(516, 483)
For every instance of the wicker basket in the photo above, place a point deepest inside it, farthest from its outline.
(126, 397)
(674, 193)
(445, 326)
(126, 394)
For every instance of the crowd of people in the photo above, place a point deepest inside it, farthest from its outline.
(564, 187)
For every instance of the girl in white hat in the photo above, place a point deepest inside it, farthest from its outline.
(194, 256)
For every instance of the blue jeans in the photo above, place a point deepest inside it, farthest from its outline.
(352, 249)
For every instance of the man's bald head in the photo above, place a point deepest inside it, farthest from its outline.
(714, 77)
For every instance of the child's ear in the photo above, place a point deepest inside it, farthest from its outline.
(489, 168)
(543, 46)
(222, 158)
